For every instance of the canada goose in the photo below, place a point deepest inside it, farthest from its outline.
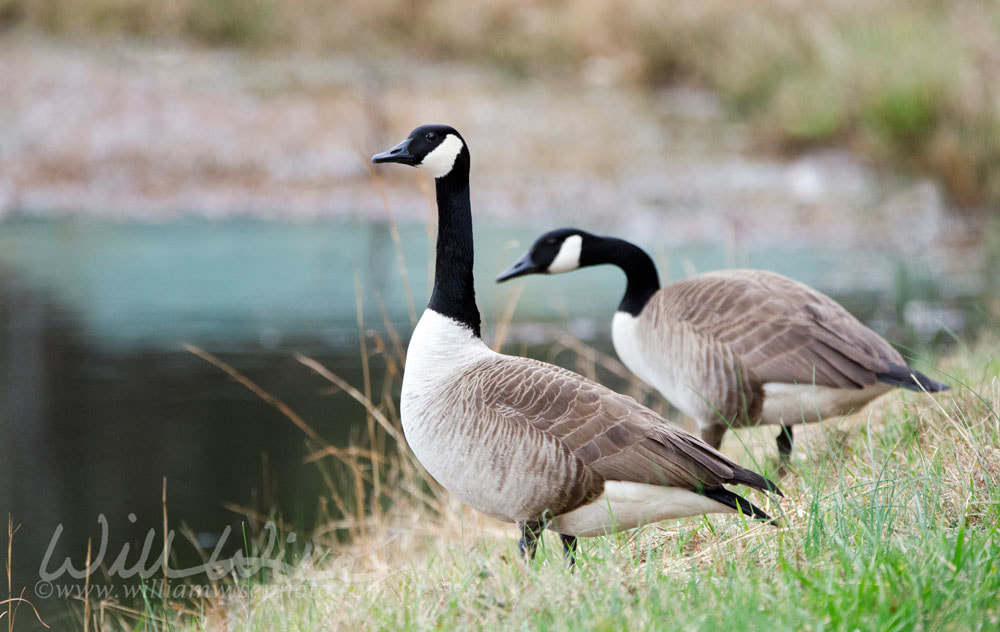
(734, 347)
(529, 442)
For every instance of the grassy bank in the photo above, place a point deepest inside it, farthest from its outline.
(910, 83)
(891, 519)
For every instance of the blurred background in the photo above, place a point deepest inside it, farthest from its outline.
(196, 171)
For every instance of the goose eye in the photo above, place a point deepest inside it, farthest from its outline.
(431, 136)
(551, 241)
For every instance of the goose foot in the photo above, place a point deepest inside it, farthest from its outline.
(784, 441)
(569, 549)
(531, 533)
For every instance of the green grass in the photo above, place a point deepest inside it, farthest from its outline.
(891, 519)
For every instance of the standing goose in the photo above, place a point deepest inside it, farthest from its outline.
(529, 442)
(734, 347)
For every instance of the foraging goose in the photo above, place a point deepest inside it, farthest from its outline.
(529, 442)
(734, 347)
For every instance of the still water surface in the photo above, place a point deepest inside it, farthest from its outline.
(99, 402)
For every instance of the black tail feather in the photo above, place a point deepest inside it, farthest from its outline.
(912, 379)
(739, 503)
(743, 476)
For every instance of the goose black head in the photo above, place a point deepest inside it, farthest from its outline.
(437, 149)
(556, 251)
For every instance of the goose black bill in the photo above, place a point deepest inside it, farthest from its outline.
(523, 266)
(400, 153)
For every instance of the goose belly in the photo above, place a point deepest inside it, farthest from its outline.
(626, 505)
(798, 403)
(509, 476)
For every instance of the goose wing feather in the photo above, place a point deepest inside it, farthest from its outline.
(779, 329)
(611, 435)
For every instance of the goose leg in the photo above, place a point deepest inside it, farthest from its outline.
(531, 532)
(785, 443)
(569, 548)
(712, 435)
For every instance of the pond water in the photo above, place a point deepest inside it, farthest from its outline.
(100, 402)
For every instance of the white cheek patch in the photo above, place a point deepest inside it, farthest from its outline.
(569, 255)
(439, 162)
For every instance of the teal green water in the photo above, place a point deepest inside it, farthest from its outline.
(234, 283)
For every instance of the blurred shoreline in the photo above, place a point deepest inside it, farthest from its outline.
(124, 130)
(909, 86)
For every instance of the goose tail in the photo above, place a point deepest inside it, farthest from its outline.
(743, 476)
(740, 504)
(911, 379)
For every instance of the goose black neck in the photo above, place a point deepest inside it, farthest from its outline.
(454, 293)
(640, 271)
